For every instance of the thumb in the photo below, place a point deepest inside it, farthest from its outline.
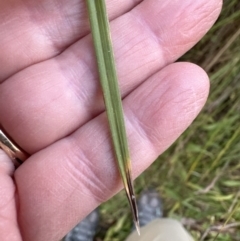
(6, 165)
(8, 215)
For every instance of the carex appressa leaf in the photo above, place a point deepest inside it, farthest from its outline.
(108, 78)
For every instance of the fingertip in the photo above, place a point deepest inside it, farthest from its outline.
(190, 75)
(170, 100)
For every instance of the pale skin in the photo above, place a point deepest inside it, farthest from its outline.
(51, 103)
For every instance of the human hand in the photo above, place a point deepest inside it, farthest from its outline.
(51, 103)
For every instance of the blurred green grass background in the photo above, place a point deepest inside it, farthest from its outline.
(198, 178)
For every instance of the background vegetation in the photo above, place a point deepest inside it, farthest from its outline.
(199, 176)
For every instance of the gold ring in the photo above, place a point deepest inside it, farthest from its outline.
(15, 153)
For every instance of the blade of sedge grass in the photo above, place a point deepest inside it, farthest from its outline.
(108, 78)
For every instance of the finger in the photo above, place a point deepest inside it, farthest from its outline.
(56, 97)
(61, 184)
(33, 31)
(8, 220)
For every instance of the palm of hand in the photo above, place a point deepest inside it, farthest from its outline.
(51, 104)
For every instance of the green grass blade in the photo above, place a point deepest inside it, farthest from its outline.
(108, 77)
